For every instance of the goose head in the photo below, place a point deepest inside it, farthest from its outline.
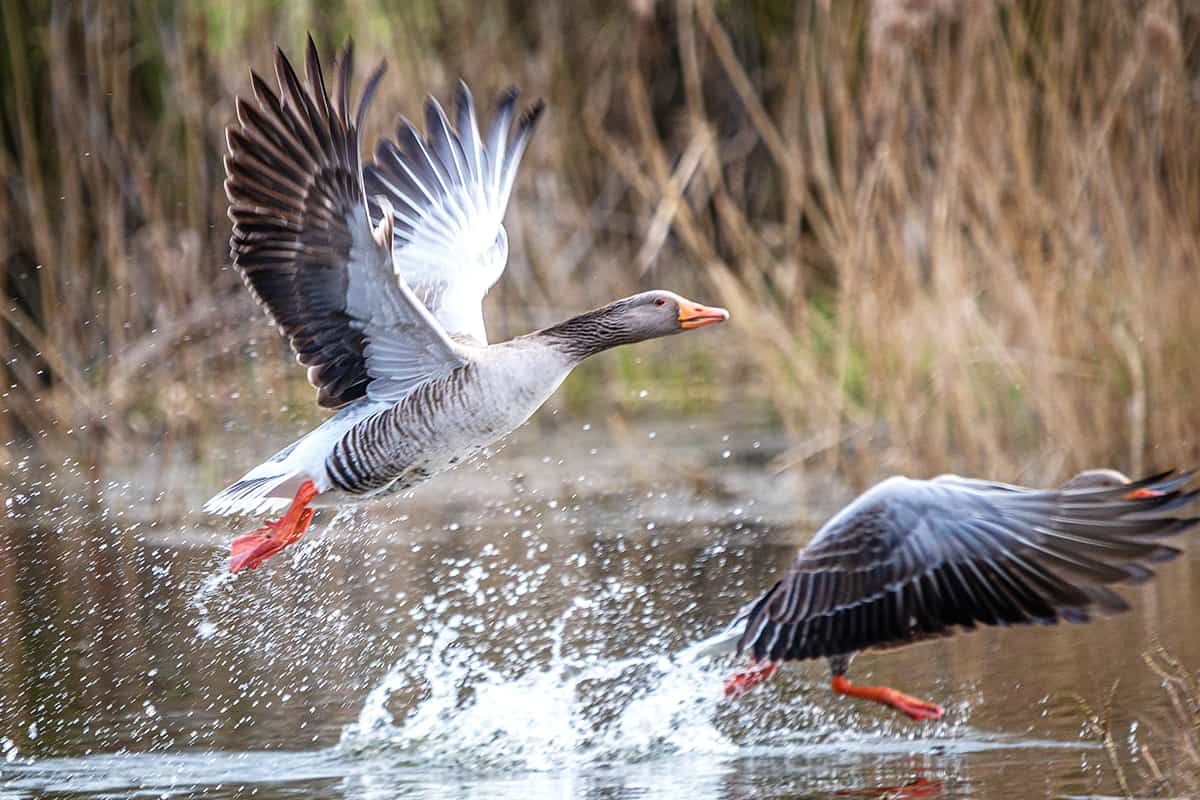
(649, 315)
(1098, 479)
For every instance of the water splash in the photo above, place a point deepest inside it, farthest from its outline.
(215, 587)
(443, 705)
(8, 750)
(570, 712)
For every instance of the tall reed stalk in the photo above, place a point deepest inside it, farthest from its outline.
(954, 235)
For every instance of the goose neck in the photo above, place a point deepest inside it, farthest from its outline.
(587, 334)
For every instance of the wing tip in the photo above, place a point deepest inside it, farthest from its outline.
(531, 116)
(508, 97)
(463, 96)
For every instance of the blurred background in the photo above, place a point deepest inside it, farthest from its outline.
(954, 235)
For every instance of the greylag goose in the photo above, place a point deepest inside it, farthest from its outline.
(377, 282)
(912, 560)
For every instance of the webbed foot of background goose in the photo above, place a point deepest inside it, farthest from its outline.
(739, 683)
(910, 706)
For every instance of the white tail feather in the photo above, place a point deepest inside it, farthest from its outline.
(716, 645)
(720, 643)
(262, 490)
(272, 484)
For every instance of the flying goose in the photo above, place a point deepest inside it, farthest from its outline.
(376, 277)
(913, 560)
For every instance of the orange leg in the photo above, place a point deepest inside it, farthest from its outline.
(914, 708)
(739, 683)
(257, 546)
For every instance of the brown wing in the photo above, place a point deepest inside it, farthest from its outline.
(304, 245)
(909, 560)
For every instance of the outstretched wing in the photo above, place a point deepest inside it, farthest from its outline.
(305, 247)
(910, 560)
(448, 193)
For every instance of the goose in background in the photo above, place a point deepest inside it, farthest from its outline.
(377, 280)
(914, 560)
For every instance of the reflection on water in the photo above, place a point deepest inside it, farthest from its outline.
(513, 636)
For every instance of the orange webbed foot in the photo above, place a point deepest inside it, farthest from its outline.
(885, 695)
(739, 683)
(252, 549)
(914, 708)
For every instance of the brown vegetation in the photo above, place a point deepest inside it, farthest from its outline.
(955, 235)
(1170, 768)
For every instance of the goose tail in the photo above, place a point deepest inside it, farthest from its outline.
(720, 643)
(267, 488)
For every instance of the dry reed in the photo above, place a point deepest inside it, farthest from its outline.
(954, 235)
(1170, 766)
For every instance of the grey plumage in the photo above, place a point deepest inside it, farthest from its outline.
(304, 246)
(282, 210)
(911, 560)
(381, 298)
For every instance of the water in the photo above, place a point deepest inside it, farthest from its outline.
(514, 631)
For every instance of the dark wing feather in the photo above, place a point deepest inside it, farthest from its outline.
(911, 560)
(304, 244)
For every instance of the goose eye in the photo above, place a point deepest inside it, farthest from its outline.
(660, 302)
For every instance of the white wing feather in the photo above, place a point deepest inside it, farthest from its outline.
(449, 193)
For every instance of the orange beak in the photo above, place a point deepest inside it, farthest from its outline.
(694, 315)
(1142, 494)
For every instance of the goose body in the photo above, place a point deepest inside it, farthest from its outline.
(376, 277)
(445, 421)
(372, 449)
(914, 560)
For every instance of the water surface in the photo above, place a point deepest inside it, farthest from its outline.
(510, 630)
